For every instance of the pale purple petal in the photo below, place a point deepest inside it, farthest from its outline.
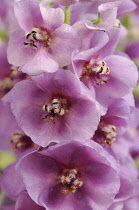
(28, 14)
(43, 132)
(11, 182)
(66, 40)
(53, 18)
(39, 63)
(18, 54)
(24, 200)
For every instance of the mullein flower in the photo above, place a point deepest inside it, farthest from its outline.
(44, 43)
(55, 106)
(109, 74)
(70, 176)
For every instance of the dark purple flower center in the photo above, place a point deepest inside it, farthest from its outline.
(96, 70)
(57, 106)
(21, 141)
(105, 133)
(38, 37)
(70, 180)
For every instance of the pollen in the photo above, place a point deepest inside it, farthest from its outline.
(117, 23)
(65, 191)
(110, 134)
(70, 180)
(38, 37)
(97, 71)
(20, 141)
(58, 106)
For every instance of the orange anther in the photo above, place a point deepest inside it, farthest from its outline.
(107, 70)
(108, 132)
(103, 142)
(65, 191)
(43, 117)
(13, 146)
(14, 134)
(73, 172)
(73, 188)
(103, 63)
(109, 143)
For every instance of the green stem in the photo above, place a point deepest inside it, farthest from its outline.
(67, 15)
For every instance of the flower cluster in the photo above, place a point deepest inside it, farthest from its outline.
(67, 108)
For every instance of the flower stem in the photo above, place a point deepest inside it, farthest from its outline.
(67, 15)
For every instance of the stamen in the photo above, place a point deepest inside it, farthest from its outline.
(70, 180)
(110, 131)
(57, 106)
(52, 119)
(97, 70)
(117, 23)
(30, 44)
(20, 141)
(101, 82)
(65, 191)
(43, 117)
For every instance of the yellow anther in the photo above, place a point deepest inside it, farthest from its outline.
(52, 120)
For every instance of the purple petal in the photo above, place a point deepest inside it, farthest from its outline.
(24, 200)
(19, 93)
(40, 180)
(85, 115)
(65, 41)
(28, 14)
(13, 185)
(41, 131)
(18, 54)
(53, 18)
(39, 63)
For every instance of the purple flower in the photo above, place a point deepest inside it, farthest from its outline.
(45, 42)
(111, 75)
(54, 107)
(72, 176)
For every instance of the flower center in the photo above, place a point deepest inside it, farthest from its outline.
(58, 106)
(70, 180)
(105, 134)
(37, 37)
(96, 70)
(21, 141)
